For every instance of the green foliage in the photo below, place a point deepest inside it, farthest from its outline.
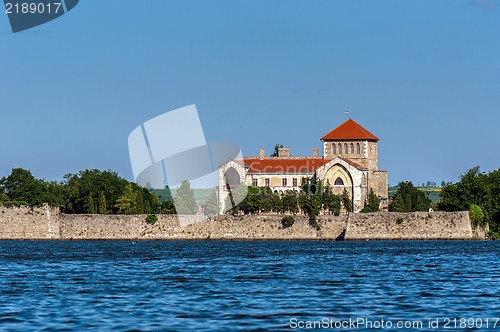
(409, 199)
(290, 202)
(21, 185)
(373, 202)
(185, 203)
(276, 147)
(476, 215)
(287, 221)
(15, 203)
(139, 204)
(310, 199)
(102, 204)
(126, 203)
(475, 188)
(211, 205)
(151, 218)
(166, 207)
(399, 220)
(346, 201)
(90, 205)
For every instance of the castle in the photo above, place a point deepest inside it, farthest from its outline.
(349, 161)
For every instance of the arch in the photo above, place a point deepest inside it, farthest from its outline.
(232, 177)
(334, 149)
(358, 148)
(352, 148)
(338, 182)
(340, 148)
(346, 150)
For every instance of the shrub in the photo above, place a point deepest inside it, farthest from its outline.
(366, 209)
(151, 218)
(15, 203)
(287, 221)
(476, 215)
(399, 220)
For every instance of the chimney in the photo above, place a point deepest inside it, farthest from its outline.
(315, 152)
(261, 153)
(283, 152)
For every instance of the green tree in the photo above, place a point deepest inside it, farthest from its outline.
(211, 205)
(126, 202)
(373, 204)
(346, 201)
(90, 205)
(412, 199)
(185, 202)
(290, 202)
(276, 147)
(21, 185)
(167, 207)
(139, 207)
(102, 204)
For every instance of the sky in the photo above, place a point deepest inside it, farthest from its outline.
(423, 76)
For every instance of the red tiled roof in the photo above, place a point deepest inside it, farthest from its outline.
(353, 163)
(349, 130)
(291, 166)
(278, 165)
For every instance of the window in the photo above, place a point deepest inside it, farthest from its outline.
(340, 148)
(334, 149)
(352, 148)
(266, 182)
(294, 182)
(358, 149)
(339, 182)
(254, 182)
(283, 182)
(345, 148)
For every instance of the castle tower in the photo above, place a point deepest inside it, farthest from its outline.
(352, 141)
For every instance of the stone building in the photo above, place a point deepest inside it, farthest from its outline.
(349, 161)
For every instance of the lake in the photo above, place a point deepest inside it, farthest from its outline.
(224, 285)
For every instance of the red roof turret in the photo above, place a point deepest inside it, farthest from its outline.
(349, 130)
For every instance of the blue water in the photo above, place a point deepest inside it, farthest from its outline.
(179, 286)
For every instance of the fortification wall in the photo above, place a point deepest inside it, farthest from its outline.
(47, 223)
(412, 226)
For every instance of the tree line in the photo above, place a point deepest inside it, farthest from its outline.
(90, 191)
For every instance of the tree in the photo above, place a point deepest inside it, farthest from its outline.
(290, 202)
(90, 205)
(21, 185)
(411, 199)
(139, 207)
(211, 205)
(373, 204)
(185, 202)
(276, 152)
(346, 201)
(102, 204)
(127, 201)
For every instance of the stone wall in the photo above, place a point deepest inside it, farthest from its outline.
(46, 223)
(412, 226)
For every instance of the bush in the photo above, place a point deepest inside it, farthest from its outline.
(366, 210)
(151, 218)
(287, 221)
(476, 215)
(15, 203)
(399, 220)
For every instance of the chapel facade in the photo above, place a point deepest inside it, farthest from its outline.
(349, 161)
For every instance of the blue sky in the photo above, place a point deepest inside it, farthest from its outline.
(423, 76)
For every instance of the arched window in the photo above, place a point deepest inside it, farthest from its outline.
(340, 148)
(352, 148)
(346, 151)
(358, 148)
(334, 149)
(339, 182)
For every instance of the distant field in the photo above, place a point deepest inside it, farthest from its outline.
(432, 192)
(201, 195)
